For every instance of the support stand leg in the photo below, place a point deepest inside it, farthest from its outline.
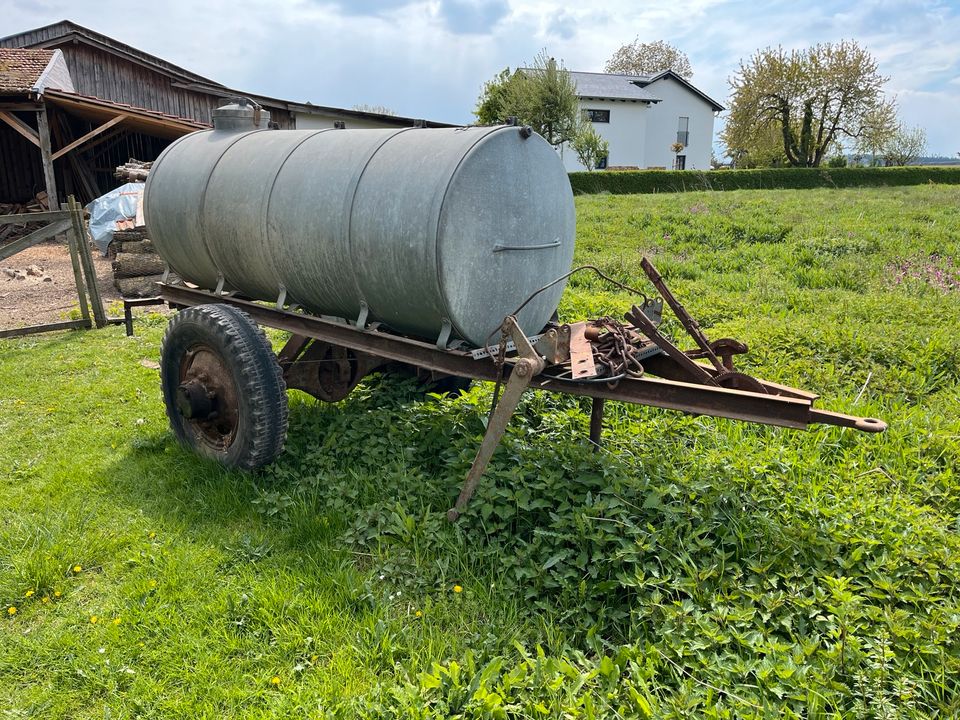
(596, 422)
(520, 378)
(528, 366)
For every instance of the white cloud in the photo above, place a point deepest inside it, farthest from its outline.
(429, 58)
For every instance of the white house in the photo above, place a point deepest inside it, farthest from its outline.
(642, 116)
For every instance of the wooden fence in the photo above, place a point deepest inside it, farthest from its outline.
(69, 221)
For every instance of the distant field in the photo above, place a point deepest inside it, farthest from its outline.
(694, 568)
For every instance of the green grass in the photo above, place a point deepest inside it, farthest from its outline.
(696, 567)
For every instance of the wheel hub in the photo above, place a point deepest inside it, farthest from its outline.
(194, 400)
(207, 397)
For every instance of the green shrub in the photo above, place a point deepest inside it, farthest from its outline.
(654, 181)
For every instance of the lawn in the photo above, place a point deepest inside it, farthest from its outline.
(694, 568)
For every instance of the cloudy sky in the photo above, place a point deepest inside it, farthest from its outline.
(429, 58)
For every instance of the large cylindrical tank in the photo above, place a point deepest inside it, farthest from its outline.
(421, 229)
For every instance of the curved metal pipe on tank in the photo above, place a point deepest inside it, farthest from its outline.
(427, 231)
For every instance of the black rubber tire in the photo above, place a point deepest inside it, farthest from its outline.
(452, 385)
(236, 341)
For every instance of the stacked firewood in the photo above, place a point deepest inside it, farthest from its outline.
(133, 170)
(13, 231)
(136, 267)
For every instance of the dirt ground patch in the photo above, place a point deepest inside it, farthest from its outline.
(49, 296)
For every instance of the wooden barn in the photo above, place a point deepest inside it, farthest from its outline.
(75, 104)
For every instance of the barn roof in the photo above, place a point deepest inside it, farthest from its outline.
(59, 33)
(21, 70)
(55, 35)
(135, 118)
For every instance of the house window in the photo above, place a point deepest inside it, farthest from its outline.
(602, 163)
(683, 131)
(597, 116)
(680, 163)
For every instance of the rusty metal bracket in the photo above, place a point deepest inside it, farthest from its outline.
(582, 364)
(524, 370)
(640, 321)
(691, 325)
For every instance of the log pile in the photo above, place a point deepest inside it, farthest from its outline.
(136, 267)
(133, 170)
(12, 231)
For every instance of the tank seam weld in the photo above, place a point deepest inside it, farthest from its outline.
(353, 202)
(265, 229)
(156, 165)
(203, 194)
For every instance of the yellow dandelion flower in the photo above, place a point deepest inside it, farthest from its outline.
(11, 610)
(457, 589)
(152, 535)
(56, 593)
(28, 593)
(275, 680)
(153, 583)
(94, 619)
(45, 599)
(77, 568)
(116, 621)
(418, 614)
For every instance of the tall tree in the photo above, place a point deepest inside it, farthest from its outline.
(814, 97)
(639, 58)
(878, 128)
(494, 98)
(905, 146)
(543, 96)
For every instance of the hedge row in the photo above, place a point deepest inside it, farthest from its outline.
(653, 181)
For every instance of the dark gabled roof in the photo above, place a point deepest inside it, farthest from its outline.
(644, 80)
(21, 70)
(609, 86)
(615, 86)
(59, 33)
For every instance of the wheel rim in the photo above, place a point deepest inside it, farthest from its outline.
(207, 398)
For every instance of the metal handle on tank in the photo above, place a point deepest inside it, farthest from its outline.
(500, 248)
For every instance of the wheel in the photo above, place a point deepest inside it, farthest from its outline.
(451, 384)
(223, 387)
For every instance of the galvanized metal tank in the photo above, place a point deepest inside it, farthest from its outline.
(424, 230)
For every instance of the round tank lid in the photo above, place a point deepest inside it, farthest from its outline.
(240, 114)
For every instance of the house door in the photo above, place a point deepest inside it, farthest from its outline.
(680, 163)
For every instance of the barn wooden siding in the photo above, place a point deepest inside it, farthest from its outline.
(123, 74)
(107, 76)
(21, 175)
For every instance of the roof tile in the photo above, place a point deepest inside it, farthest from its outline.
(20, 68)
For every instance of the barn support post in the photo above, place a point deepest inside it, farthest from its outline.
(46, 158)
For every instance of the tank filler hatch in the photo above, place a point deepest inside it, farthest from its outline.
(240, 114)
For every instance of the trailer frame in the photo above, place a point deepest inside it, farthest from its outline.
(327, 357)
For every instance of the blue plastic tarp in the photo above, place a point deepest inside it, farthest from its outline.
(106, 210)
